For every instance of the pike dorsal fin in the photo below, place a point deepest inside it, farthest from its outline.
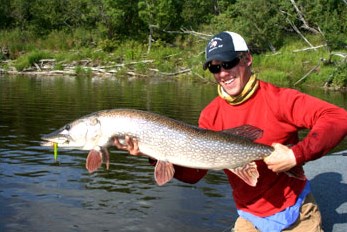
(163, 172)
(246, 131)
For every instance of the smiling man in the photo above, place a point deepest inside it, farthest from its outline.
(224, 64)
(278, 202)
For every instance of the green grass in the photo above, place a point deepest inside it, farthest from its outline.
(29, 59)
(288, 65)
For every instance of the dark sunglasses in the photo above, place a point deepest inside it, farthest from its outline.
(215, 68)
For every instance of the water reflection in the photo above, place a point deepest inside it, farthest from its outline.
(39, 194)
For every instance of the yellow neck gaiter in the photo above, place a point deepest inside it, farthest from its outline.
(247, 92)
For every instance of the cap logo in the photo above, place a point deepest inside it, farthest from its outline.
(214, 44)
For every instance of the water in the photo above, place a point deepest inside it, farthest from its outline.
(39, 194)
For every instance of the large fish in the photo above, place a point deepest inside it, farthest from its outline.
(167, 140)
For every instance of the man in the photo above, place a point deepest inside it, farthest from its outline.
(278, 202)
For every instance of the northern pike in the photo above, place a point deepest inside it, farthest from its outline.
(167, 140)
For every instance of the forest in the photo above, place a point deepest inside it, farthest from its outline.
(167, 37)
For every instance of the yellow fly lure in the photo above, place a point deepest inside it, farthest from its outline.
(55, 149)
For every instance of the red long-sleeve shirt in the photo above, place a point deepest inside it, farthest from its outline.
(280, 113)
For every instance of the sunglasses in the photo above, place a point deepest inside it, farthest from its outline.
(215, 68)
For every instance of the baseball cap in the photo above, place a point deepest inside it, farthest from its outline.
(224, 47)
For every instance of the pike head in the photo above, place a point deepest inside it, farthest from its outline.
(83, 134)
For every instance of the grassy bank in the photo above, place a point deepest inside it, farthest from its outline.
(82, 53)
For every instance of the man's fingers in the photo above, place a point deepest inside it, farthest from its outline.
(135, 150)
(118, 144)
(131, 145)
(281, 159)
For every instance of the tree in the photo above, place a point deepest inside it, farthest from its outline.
(20, 12)
(160, 15)
(119, 18)
(329, 17)
(195, 13)
(258, 21)
(5, 14)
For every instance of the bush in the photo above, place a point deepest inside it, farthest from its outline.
(17, 41)
(28, 60)
(340, 75)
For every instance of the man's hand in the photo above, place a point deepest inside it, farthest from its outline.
(281, 159)
(131, 145)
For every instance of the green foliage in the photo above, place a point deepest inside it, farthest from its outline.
(197, 12)
(83, 72)
(56, 40)
(287, 67)
(82, 37)
(118, 19)
(17, 41)
(260, 22)
(165, 57)
(328, 16)
(5, 12)
(108, 45)
(161, 15)
(264, 23)
(28, 60)
(340, 75)
(59, 66)
(133, 51)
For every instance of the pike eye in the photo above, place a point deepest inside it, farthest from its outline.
(67, 127)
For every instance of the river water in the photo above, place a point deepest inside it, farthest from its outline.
(38, 193)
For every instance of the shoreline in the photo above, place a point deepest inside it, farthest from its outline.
(46, 67)
(86, 67)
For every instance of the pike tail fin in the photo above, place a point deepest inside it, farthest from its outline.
(248, 173)
(163, 172)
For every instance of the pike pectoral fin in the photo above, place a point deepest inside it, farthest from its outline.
(94, 160)
(163, 172)
(248, 173)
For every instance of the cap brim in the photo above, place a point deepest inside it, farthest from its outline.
(226, 56)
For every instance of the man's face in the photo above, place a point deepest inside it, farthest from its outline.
(234, 80)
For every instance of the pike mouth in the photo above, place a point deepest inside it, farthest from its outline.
(52, 138)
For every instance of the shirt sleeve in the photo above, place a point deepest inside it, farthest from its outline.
(327, 124)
